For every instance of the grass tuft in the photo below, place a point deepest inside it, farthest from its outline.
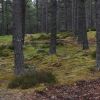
(31, 80)
(23, 82)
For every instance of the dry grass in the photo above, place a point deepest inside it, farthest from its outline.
(69, 65)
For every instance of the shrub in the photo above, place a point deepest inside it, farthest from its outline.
(64, 35)
(2, 47)
(11, 47)
(30, 80)
(41, 51)
(23, 82)
(93, 29)
(6, 46)
(44, 37)
(29, 38)
(60, 43)
(88, 30)
(4, 53)
(45, 46)
(45, 77)
(37, 57)
(93, 54)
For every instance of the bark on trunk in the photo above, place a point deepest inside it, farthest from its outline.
(98, 34)
(18, 36)
(53, 27)
(82, 32)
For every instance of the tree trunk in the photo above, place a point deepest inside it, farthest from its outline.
(37, 16)
(98, 34)
(3, 18)
(18, 36)
(69, 15)
(82, 32)
(23, 19)
(53, 27)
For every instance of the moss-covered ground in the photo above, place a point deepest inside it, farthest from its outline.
(69, 65)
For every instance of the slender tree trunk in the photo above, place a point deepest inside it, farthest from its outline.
(74, 18)
(82, 33)
(75, 25)
(18, 36)
(46, 17)
(23, 19)
(69, 15)
(6, 11)
(53, 27)
(98, 34)
(37, 16)
(61, 15)
(3, 18)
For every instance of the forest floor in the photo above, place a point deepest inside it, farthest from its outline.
(72, 68)
(81, 90)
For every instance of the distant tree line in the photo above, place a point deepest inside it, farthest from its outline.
(6, 22)
(37, 17)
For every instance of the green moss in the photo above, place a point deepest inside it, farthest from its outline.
(6, 39)
(69, 65)
(44, 37)
(4, 51)
(29, 51)
(64, 35)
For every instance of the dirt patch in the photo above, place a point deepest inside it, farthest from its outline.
(81, 90)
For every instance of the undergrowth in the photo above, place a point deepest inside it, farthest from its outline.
(31, 80)
(69, 65)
